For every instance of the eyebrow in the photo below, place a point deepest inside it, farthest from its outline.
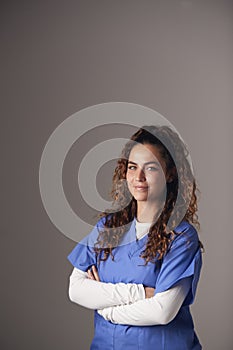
(152, 162)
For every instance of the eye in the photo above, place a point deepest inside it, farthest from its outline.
(152, 168)
(131, 167)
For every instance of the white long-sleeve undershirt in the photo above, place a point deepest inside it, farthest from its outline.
(98, 295)
(126, 303)
(160, 309)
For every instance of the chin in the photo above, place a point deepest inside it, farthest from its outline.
(141, 198)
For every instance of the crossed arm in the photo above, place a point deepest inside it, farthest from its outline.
(86, 289)
(123, 303)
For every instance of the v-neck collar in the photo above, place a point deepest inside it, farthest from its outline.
(130, 235)
(130, 239)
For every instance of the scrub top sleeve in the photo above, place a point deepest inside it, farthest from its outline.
(182, 260)
(83, 256)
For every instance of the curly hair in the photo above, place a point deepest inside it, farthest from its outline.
(179, 205)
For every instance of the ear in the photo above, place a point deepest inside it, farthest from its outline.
(171, 175)
(169, 179)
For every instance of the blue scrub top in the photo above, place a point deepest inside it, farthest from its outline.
(182, 260)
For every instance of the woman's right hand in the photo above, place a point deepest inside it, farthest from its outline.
(93, 274)
(149, 292)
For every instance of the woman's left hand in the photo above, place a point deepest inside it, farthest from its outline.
(93, 274)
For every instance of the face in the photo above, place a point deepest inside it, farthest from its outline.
(145, 175)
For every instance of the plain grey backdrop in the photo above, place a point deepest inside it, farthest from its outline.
(58, 57)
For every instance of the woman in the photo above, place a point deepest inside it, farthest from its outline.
(139, 267)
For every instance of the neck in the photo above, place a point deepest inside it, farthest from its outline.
(148, 211)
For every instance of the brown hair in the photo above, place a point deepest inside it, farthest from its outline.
(161, 233)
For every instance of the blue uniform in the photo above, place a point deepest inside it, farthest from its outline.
(182, 260)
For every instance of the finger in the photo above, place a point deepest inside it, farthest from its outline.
(149, 292)
(90, 275)
(95, 273)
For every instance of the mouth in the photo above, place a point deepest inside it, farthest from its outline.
(141, 188)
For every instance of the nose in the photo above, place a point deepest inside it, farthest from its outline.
(140, 175)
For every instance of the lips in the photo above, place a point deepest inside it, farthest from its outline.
(140, 187)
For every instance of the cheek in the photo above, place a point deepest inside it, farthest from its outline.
(162, 184)
(159, 180)
(129, 181)
(128, 177)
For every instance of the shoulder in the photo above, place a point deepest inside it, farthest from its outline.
(93, 234)
(185, 227)
(101, 222)
(186, 234)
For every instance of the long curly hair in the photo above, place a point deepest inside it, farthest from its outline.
(179, 205)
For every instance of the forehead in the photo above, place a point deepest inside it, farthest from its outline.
(142, 153)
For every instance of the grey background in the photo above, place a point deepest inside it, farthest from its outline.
(61, 56)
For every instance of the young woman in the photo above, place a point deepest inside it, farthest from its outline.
(139, 267)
